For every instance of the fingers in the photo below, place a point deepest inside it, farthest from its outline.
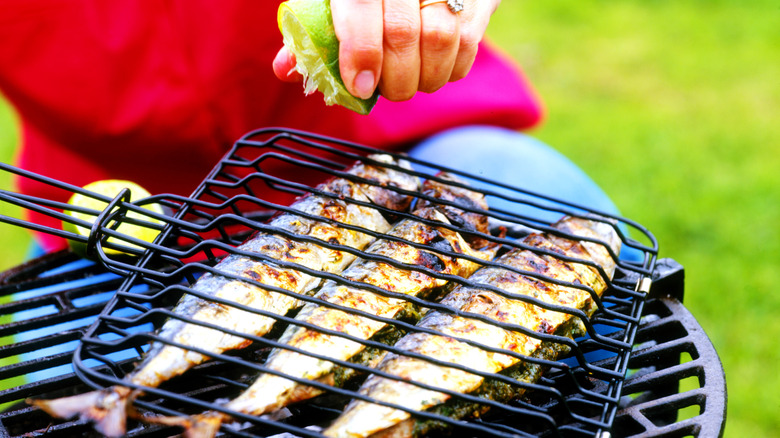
(474, 18)
(421, 47)
(401, 55)
(358, 25)
(401, 47)
(439, 46)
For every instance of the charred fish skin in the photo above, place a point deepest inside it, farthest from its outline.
(271, 391)
(362, 419)
(311, 255)
(107, 408)
(175, 360)
(490, 389)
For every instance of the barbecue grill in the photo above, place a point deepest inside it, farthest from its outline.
(71, 325)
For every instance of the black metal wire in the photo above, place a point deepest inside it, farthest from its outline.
(199, 230)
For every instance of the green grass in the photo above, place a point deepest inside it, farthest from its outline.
(15, 241)
(672, 107)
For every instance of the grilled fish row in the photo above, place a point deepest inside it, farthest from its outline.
(402, 276)
(362, 418)
(108, 407)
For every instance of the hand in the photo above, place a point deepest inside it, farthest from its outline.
(402, 49)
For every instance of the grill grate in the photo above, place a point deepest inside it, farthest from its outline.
(648, 408)
(579, 395)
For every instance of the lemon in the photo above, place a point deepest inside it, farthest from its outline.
(307, 31)
(111, 188)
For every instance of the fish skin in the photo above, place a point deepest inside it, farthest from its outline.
(271, 392)
(491, 389)
(362, 419)
(107, 408)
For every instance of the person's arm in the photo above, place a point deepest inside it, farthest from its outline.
(400, 47)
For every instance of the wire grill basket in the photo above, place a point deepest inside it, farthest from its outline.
(257, 179)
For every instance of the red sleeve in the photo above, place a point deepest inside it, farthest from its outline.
(139, 90)
(156, 91)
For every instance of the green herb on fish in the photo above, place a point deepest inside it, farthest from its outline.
(363, 418)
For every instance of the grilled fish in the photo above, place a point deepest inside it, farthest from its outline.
(362, 418)
(491, 389)
(108, 408)
(271, 391)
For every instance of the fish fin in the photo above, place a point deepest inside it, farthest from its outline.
(106, 408)
(205, 425)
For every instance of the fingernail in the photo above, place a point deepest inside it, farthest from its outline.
(364, 84)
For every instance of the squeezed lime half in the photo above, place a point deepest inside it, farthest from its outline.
(307, 31)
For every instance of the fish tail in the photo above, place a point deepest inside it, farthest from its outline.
(106, 408)
(205, 425)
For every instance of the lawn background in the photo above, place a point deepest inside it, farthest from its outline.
(672, 107)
